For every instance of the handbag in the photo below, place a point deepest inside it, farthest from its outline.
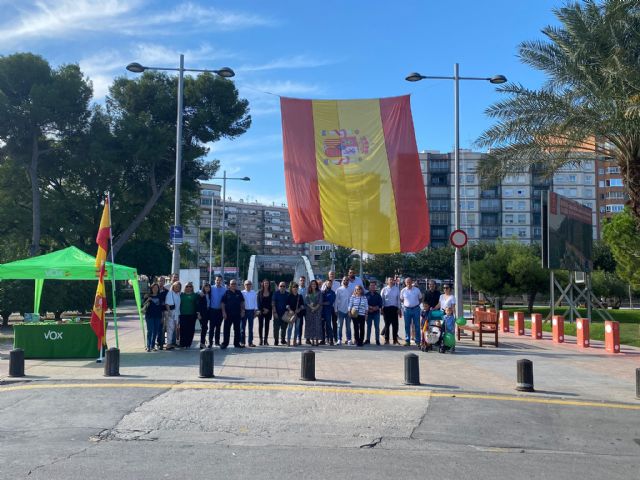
(353, 313)
(288, 316)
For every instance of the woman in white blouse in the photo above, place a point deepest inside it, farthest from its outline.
(447, 299)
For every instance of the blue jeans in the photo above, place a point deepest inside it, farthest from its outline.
(375, 319)
(411, 315)
(295, 329)
(342, 318)
(248, 317)
(154, 326)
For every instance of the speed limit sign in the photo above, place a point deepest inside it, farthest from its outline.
(458, 238)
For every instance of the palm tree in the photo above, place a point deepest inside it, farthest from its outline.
(589, 105)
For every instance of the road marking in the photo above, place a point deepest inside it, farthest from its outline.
(324, 389)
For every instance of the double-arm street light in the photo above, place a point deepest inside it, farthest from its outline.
(224, 72)
(416, 77)
(224, 179)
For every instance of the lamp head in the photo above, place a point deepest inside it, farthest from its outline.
(498, 79)
(135, 67)
(414, 77)
(225, 72)
(246, 179)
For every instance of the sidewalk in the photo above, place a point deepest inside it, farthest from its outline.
(561, 371)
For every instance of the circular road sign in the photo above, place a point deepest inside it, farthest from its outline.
(458, 238)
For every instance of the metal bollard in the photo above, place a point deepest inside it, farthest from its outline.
(637, 382)
(525, 376)
(112, 363)
(308, 366)
(16, 363)
(411, 369)
(206, 363)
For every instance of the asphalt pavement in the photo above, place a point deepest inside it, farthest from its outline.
(256, 419)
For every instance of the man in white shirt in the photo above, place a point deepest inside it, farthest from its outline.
(410, 297)
(390, 307)
(342, 308)
(335, 285)
(250, 307)
(354, 281)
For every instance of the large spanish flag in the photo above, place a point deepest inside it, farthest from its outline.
(353, 174)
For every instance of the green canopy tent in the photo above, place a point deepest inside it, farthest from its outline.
(68, 264)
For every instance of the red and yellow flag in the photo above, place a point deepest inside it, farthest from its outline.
(353, 174)
(104, 233)
(99, 309)
(100, 302)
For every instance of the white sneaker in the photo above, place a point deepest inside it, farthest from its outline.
(349, 342)
(339, 342)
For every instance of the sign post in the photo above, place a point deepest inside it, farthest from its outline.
(458, 238)
(176, 234)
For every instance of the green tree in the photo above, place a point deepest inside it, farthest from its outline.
(39, 108)
(603, 258)
(590, 102)
(434, 263)
(610, 286)
(622, 236)
(525, 268)
(230, 251)
(148, 257)
(345, 258)
(142, 113)
(383, 266)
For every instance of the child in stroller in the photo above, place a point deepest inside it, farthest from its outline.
(431, 327)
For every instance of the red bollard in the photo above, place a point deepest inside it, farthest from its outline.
(518, 324)
(612, 336)
(504, 321)
(557, 328)
(536, 326)
(582, 332)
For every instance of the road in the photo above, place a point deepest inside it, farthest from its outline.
(152, 429)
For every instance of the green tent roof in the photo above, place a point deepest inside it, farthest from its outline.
(68, 264)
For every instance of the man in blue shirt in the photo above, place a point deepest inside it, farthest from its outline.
(217, 291)
(375, 304)
(232, 304)
(279, 306)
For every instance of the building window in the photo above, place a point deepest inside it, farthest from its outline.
(522, 232)
(522, 218)
(521, 205)
(613, 169)
(507, 192)
(508, 218)
(601, 183)
(508, 204)
(573, 178)
(614, 182)
(614, 208)
(470, 178)
(601, 171)
(508, 232)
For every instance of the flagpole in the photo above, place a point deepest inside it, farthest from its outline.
(113, 275)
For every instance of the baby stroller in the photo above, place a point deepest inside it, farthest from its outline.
(432, 331)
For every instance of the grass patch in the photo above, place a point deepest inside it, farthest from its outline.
(629, 323)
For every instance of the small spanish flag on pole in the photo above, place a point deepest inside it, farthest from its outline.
(353, 175)
(98, 320)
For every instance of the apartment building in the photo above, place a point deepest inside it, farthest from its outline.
(265, 228)
(509, 210)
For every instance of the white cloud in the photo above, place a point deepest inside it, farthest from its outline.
(297, 61)
(46, 19)
(282, 87)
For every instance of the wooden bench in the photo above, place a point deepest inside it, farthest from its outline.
(483, 322)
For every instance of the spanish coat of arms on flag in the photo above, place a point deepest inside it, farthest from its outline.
(353, 174)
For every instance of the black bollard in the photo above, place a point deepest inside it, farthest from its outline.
(637, 382)
(525, 376)
(308, 366)
(411, 369)
(206, 363)
(16, 363)
(112, 363)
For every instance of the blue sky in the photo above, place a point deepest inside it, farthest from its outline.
(307, 49)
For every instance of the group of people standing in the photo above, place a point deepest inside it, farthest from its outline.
(319, 312)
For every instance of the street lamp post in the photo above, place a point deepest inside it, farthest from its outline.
(224, 179)
(416, 77)
(224, 72)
